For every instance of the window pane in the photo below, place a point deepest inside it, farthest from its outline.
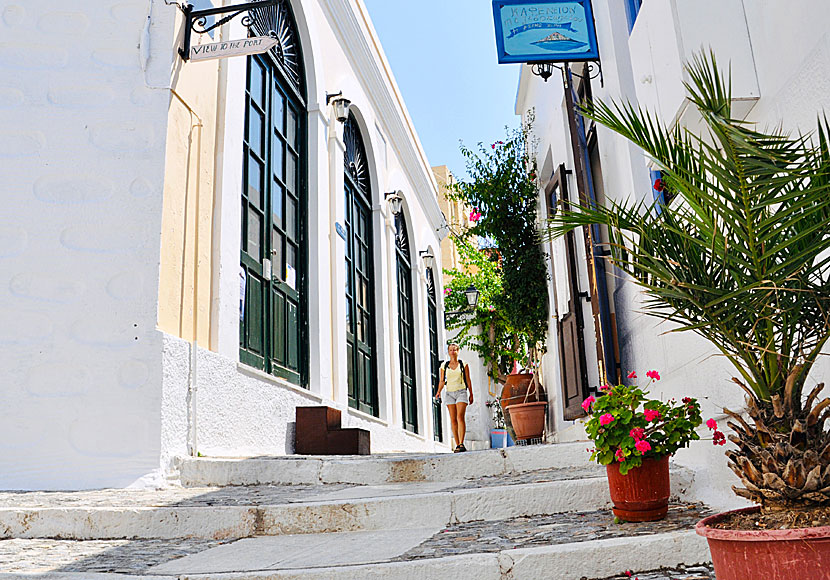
(254, 234)
(277, 152)
(278, 112)
(291, 217)
(257, 81)
(254, 181)
(255, 122)
(277, 193)
(291, 172)
(291, 128)
(276, 254)
(291, 265)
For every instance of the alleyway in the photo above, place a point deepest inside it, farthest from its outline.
(523, 513)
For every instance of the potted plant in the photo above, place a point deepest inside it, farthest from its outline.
(509, 327)
(633, 438)
(499, 437)
(741, 256)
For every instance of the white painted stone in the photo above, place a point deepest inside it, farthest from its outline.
(72, 188)
(603, 558)
(33, 56)
(11, 98)
(221, 472)
(13, 14)
(472, 567)
(26, 144)
(63, 23)
(305, 551)
(494, 503)
(46, 287)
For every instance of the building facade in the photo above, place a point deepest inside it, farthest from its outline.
(780, 65)
(191, 250)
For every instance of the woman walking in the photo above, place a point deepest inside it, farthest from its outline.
(456, 377)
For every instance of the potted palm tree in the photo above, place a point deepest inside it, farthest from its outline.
(741, 256)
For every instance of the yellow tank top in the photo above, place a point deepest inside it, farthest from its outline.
(453, 379)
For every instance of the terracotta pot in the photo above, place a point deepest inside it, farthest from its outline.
(528, 420)
(641, 495)
(515, 389)
(769, 554)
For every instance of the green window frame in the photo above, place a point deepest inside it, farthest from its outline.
(434, 357)
(406, 326)
(273, 328)
(360, 277)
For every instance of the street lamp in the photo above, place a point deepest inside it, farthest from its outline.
(340, 104)
(395, 201)
(472, 296)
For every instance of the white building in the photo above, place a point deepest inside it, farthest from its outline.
(780, 63)
(152, 308)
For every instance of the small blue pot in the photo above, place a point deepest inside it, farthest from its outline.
(500, 439)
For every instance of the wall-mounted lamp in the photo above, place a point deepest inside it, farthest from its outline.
(340, 104)
(428, 257)
(395, 201)
(472, 296)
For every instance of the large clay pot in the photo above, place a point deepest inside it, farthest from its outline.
(528, 420)
(514, 391)
(641, 495)
(769, 554)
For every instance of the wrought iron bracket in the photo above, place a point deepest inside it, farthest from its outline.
(545, 70)
(196, 20)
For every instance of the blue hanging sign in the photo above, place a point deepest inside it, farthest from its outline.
(545, 31)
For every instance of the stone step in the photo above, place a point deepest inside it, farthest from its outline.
(241, 512)
(562, 547)
(376, 470)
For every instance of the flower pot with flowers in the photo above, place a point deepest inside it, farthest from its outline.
(738, 251)
(634, 436)
(499, 438)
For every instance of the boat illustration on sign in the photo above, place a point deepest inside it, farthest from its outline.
(559, 43)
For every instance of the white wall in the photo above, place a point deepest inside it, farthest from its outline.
(83, 111)
(340, 55)
(791, 55)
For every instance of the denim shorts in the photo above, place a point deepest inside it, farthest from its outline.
(453, 397)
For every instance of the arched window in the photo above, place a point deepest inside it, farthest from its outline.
(434, 361)
(360, 280)
(273, 309)
(406, 326)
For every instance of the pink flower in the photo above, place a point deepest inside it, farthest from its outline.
(620, 455)
(586, 404)
(605, 388)
(447, 291)
(637, 433)
(712, 424)
(642, 446)
(606, 419)
(632, 375)
(686, 400)
(493, 146)
(653, 375)
(651, 415)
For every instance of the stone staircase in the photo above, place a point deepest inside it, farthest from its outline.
(520, 513)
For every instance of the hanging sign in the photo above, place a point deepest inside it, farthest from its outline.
(245, 46)
(545, 31)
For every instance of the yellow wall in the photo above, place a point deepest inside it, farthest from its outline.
(458, 218)
(186, 238)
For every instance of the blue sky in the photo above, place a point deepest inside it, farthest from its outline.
(443, 56)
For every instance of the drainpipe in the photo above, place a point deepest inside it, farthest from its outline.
(192, 382)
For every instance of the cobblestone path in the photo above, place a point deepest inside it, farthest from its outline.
(565, 528)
